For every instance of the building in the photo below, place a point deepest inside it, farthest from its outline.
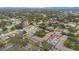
(54, 39)
(19, 32)
(30, 30)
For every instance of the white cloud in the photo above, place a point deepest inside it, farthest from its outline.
(39, 3)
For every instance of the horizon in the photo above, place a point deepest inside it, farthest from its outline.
(39, 7)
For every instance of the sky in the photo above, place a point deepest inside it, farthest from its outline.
(39, 3)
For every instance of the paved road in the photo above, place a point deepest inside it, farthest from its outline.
(7, 47)
(65, 49)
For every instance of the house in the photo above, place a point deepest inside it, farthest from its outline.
(30, 30)
(19, 32)
(15, 21)
(53, 40)
(71, 24)
(65, 30)
(4, 37)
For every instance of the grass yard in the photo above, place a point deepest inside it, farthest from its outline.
(40, 33)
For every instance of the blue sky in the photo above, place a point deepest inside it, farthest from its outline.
(39, 3)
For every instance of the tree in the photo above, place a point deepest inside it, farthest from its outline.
(43, 26)
(2, 45)
(62, 26)
(45, 45)
(3, 24)
(19, 26)
(19, 41)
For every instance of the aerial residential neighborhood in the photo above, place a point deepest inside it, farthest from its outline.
(39, 29)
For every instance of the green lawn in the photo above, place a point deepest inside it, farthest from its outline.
(40, 33)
